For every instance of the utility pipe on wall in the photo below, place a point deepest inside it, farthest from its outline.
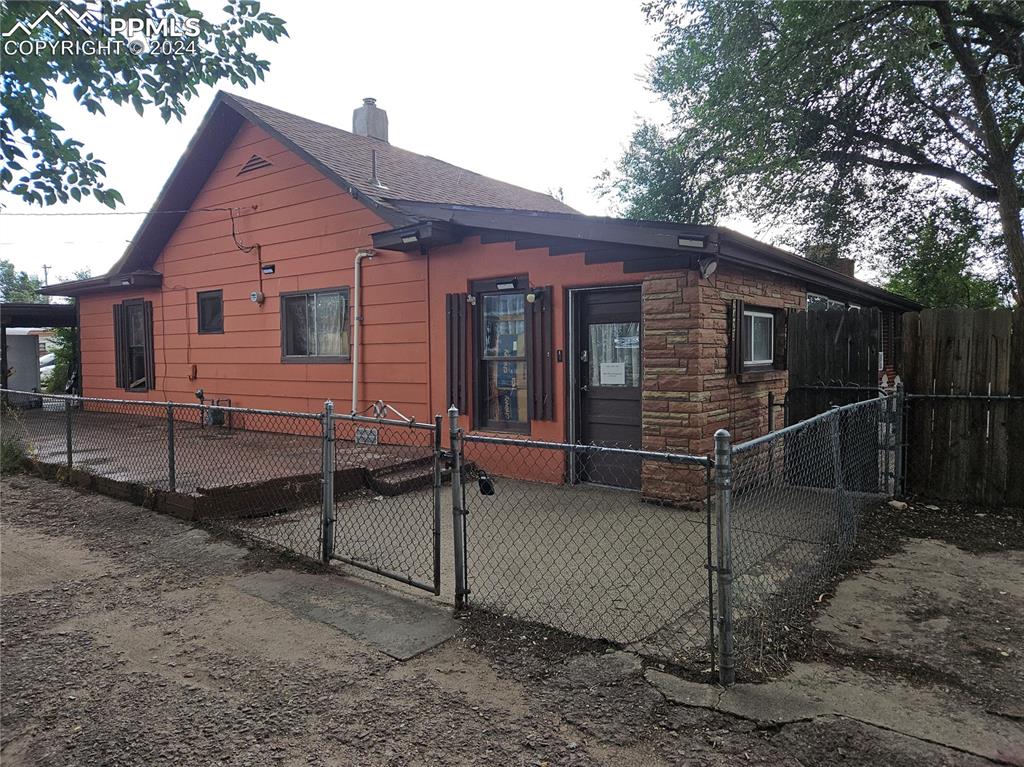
(357, 320)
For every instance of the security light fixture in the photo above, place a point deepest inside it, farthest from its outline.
(409, 239)
(267, 269)
(707, 266)
(506, 285)
(690, 242)
(531, 298)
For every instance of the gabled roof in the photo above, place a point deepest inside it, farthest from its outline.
(401, 174)
(344, 157)
(430, 202)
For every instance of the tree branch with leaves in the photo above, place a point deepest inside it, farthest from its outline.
(44, 165)
(831, 117)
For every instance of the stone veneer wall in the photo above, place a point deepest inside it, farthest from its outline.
(687, 392)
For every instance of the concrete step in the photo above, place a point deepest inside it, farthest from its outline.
(405, 479)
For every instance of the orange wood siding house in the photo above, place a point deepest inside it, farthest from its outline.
(541, 321)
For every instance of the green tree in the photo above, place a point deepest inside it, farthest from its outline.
(660, 178)
(65, 350)
(937, 257)
(18, 286)
(41, 163)
(826, 117)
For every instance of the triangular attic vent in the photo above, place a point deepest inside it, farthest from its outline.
(253, 163)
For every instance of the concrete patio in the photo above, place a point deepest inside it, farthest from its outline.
(273, 464)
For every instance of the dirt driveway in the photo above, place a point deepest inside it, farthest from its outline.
(127, 639)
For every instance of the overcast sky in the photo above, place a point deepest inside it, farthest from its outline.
(537, 93)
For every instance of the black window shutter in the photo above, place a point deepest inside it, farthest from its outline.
(781, 326)
(147, 319)
(456, 342)
(540, 365)
(120, 348)
(735, 346)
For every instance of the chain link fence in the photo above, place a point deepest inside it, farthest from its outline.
(659, 553)
(591, 559)
(255, 473)
(794, 506)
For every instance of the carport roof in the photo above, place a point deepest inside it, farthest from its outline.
(26, 315)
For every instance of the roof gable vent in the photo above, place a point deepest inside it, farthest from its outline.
(253, 163)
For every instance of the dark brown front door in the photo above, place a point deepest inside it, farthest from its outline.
(608, 376)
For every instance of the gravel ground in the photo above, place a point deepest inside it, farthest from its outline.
(124, 641)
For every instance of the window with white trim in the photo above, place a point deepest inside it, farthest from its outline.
(758, 338)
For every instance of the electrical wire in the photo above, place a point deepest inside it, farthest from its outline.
(118, 212)
(234, 236)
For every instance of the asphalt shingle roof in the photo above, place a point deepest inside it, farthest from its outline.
(402, 175)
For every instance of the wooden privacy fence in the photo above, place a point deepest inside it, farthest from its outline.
(832, 357)
(964, 434)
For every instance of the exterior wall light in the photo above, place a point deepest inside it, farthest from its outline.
(690, 242)
(707, 266)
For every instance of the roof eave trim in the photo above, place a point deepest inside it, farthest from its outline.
(719, 241)
(161, 207)
(758, 255)
(105, 284)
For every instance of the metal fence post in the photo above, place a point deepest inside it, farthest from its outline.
(438, 484)
(887, 434)
(846, 515)
(898, 479)
(327, 485)
(723, 493)
(68, 433)
(458, 508)
(172, 481)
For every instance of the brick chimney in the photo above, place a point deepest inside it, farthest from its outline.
(370, 120)
(845, 266)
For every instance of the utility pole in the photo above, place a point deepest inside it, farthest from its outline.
(46, 278)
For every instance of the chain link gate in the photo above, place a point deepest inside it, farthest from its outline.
(594, 561)
(382, 502)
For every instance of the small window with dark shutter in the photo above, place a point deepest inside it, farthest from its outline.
(210, 311)
(757, 338)
(133, 345)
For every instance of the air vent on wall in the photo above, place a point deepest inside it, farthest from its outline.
(253, 163)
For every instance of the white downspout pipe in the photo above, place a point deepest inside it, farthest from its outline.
(357, 320)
